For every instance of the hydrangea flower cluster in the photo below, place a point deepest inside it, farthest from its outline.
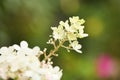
(24, 63)
(70, 31)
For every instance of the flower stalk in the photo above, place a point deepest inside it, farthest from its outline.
(53, 52)
(68, 31)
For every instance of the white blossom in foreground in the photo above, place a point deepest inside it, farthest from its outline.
(22, 63)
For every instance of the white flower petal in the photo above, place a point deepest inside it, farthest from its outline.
(23, 44)
(76, 46)
(16, 47)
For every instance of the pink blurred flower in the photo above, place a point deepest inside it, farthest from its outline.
(105, 66)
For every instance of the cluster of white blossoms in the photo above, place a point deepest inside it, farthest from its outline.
(22, 63)
(70, 31)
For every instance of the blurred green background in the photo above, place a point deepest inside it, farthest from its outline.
(31, 20)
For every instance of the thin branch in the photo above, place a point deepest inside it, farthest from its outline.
(54, 44)
(52, 52)
(66, 47)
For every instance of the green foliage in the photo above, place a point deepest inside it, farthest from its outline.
(31, 20)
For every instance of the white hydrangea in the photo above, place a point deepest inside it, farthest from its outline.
(22, 63)
(65, 29)
(70, 30)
